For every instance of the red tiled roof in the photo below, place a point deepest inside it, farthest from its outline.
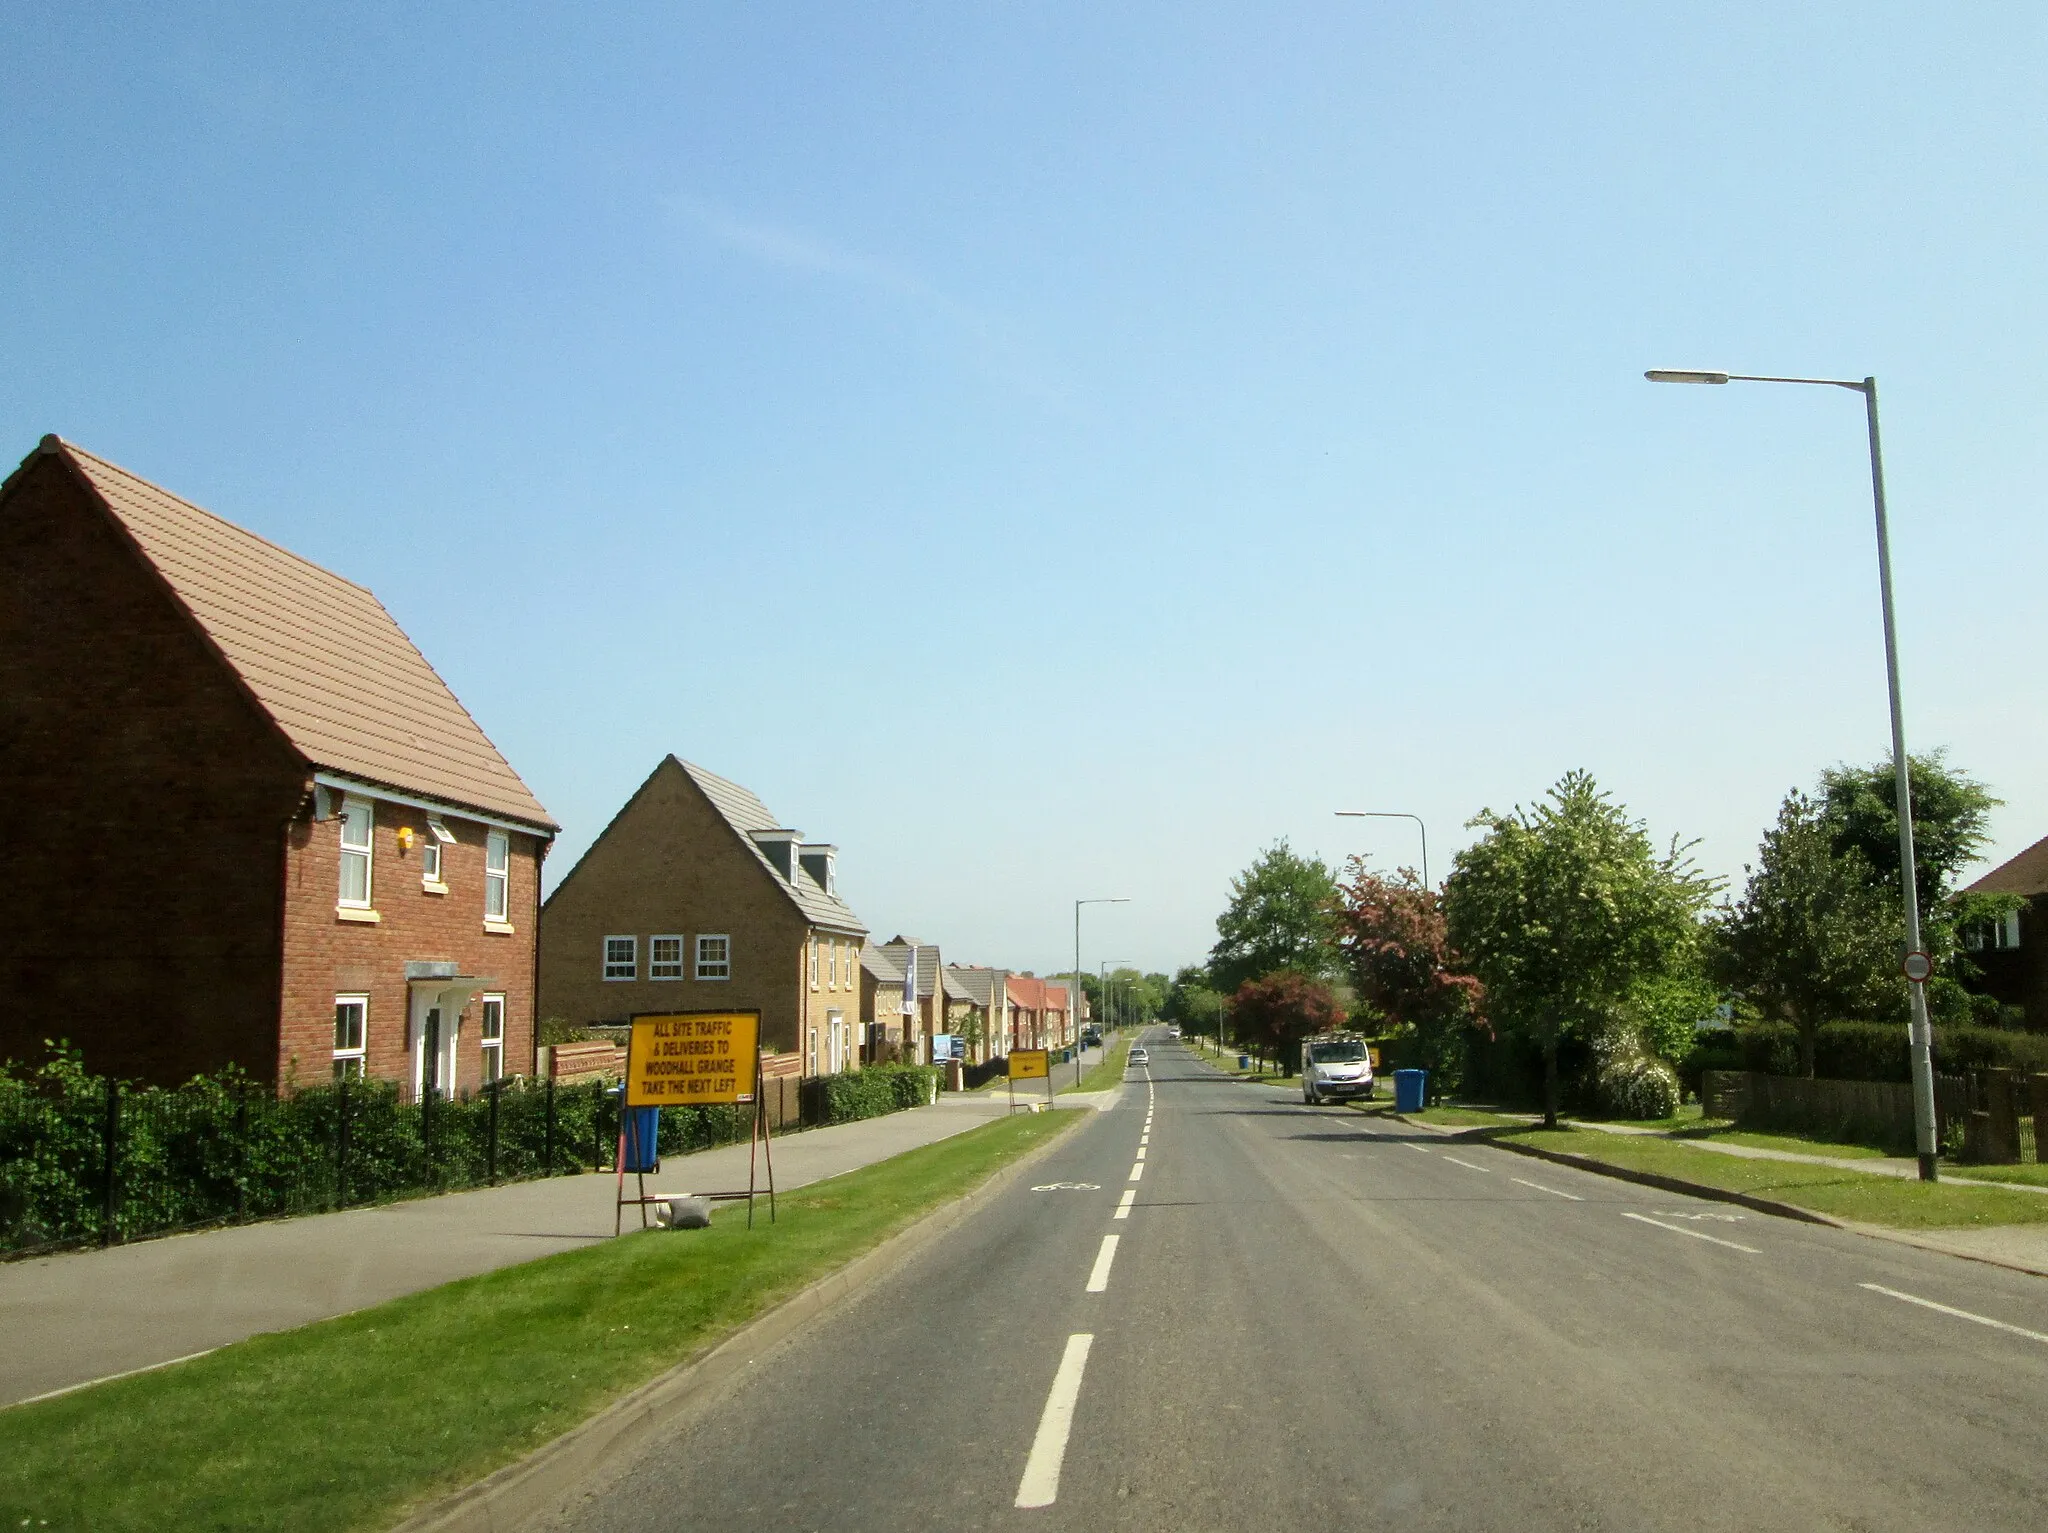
(2024, 874)
(320, 653)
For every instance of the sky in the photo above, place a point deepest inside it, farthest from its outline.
(1055, 451)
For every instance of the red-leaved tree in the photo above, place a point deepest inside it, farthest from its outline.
(1397, 947)
(1280, 1009)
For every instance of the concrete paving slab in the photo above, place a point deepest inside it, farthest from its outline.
(84, 1316)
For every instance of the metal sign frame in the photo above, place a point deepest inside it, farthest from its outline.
(760, 1148)
(1011, 1076)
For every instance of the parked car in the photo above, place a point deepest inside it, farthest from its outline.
(1091, 1036)
(1335, 1068)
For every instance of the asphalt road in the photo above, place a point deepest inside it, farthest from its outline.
(1314, 1320)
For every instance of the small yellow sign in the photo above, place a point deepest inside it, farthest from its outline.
(1030, 1064)
(693, 1059)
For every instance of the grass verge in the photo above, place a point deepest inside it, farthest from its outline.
(1459, 1117)
(2032, 1173)
(1107, 1071)
(1841, 1194)
(347, 1423)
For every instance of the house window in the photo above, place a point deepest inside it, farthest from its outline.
(814, 962)
(714, 957)
(811, 1052)
(357, 822)
(664, 957)
(493, 1037)
(622, 958)
(2001, 933)
(438, 836)
(351, 1016)
(497, 873)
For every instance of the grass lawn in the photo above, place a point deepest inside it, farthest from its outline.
(1798, 1144)
(346, 1423)
(2034, 1175)
(1106, 1072)
(1856, 1195)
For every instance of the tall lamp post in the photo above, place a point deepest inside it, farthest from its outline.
(1394, 814)
(1919, 1032)
(1073, 1010)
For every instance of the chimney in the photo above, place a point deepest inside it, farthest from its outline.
(820, 861)
(779, 847)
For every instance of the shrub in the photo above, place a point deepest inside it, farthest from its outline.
(868, 1093)
(1865, 1051)
(1631, 1082)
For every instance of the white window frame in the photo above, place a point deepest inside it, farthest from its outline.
(493, 1048)
(665, 968)
(438, 836)
(366, 849)
(814, 963)
(709, 968)
(811, 1050)
(355, 1054)
(498, 880)
(630, 962)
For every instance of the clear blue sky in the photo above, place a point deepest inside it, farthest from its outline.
(1055, 450)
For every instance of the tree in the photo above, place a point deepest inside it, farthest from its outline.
(1564, 910)
(1193, 1003)
(1279, 917)
(1280, 1009)
(1397, 946)
(1815, 937)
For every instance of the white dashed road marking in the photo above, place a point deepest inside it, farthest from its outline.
(1465, 1163)
(1138, 1172)
(1041, 1483)
(1960, 1314)
(1098, 1280)
(1123, 1208)
(1679, 1229)
(1551, 1190)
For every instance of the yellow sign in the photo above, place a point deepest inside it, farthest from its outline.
(693, 1059)
(1030, 1064)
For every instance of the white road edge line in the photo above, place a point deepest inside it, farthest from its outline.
(1551, 1190)
(1041, 1483)
(1138, 1172)
(1679, 1229)
(1465, 1163)
(1407, 1146)
(1098, 1279)
(1960, 1314)
(1123, 1207)
(129, 1373)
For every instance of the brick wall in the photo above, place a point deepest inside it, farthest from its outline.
(145, 798)
(325, 955)
(669, 864)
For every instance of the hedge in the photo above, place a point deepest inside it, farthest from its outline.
(868, 1093)
(1862, 1051)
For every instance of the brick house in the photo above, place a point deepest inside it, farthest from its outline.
(249, 824)
(2013, 953)
(695, 897)
(971, 1008)
(881, 1004)
(923, 1005)
(1039, 1015)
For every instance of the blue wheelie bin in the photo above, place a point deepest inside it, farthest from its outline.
(1411, 1090)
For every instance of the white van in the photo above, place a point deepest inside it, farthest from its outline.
(1335, 1068)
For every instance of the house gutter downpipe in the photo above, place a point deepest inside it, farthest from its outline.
(1920, 1029)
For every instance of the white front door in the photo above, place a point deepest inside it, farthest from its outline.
(435, 1027)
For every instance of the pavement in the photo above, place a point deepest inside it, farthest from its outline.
(1212, 1307)
(86, 1316)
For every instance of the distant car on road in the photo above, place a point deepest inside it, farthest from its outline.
(1335, 1068)
(1140, 1057)
(1173, 1031)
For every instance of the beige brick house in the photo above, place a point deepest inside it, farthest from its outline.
(696, 898)
(248, 823)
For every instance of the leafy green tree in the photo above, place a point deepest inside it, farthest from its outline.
(1816, 935)
(1397, 947)
(1951, 821)
(1278, 1010)
(1564, 910)
(1280, 916)
(1193, 1003)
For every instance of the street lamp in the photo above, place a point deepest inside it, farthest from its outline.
(1072, 1009)
(1919, 1033)
(1394, 814)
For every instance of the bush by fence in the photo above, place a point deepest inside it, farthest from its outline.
(1863, 1051)
(87, 1159)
